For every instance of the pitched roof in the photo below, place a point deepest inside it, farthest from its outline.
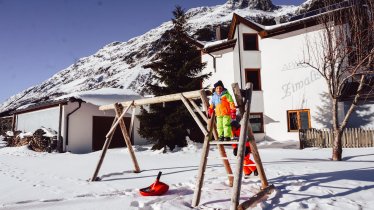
(44, 105)
(220, 46)
(301, 21)
(236, 19)
(298, 22)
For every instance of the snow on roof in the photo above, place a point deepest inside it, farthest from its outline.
(313, 14)
(41, 104)
(25, 106)
(202, 43)
(105, 96)
(97, 97)
(209, 44)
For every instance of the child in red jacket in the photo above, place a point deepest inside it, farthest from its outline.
(235, 127)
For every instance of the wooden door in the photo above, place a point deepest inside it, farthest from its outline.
(101, 126)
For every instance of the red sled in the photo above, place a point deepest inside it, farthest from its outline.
(157, 188)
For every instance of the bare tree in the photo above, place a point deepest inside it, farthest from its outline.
(343, 54)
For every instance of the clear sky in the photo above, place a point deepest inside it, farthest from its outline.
(39, 38)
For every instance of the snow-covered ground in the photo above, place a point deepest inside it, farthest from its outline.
(305, 179)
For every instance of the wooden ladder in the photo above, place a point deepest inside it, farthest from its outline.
(245, 133)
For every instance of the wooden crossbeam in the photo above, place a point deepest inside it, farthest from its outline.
(222, 158)
(256, 198)
(159, 99)
(224, 142)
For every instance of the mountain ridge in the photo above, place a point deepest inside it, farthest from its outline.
(119, 64)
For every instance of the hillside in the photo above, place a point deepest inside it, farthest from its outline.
(119, 64)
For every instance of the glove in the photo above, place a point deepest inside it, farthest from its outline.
(235, 151)
(210, 112)
(233, 114)
(247, 150)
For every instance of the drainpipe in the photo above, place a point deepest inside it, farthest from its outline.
(14, 119)
(67, 120)
(59, 139)
(240, 60)
(214, 62)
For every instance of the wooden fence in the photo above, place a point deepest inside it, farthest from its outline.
(352, 138)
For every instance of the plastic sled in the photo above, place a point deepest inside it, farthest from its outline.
(157, 188)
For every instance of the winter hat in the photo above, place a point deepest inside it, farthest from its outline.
(219, 83)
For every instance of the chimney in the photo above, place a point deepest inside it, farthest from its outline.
(218, 33)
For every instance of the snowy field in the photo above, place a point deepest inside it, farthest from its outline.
(305, 179)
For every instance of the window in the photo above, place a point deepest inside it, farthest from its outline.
(253, 76)
(298, 119)
(250, 42)
(257, 122)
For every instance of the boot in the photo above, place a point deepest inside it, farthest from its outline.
(221, 138)
(247, 176)
(255, 173)
(227, 139)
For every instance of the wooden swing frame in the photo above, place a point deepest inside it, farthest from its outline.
(209, 132)
(122, 108)
(245, 133)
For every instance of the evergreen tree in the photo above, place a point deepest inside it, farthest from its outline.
(178, 70)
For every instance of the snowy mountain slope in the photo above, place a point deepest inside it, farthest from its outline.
(119, 64)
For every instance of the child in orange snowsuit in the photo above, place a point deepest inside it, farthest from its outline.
(235, 126)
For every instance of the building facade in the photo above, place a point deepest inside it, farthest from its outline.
(287, 96)
(80, 124)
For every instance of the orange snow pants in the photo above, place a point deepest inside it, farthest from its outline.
(247, 161)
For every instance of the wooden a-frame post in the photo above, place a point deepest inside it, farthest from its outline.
(185, 97)
(118, 120)
(118, 109)
(205, 152)
(203, 162)
(235, 196)
(248, 127)
(221, 148)
(246, 132)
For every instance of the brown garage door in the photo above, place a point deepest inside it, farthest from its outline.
(101, 126)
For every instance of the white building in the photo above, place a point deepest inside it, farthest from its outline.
(82, 126)
(286, 96)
